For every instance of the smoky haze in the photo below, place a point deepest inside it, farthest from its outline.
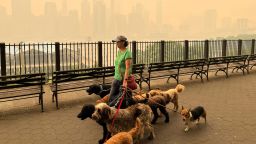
(94, 20)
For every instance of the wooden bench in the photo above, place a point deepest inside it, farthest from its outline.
(22, 87)
(175, 69)
(251, 62)
(224, 63)
(217, 64)
(76, 80)
(192, 67)
(238, 63)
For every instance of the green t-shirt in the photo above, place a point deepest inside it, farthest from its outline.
(120, 61)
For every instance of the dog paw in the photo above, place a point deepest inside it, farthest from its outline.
(186, 129)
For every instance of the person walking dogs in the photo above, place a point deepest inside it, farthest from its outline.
(123, 68)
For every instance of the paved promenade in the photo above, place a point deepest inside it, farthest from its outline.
(229, 102)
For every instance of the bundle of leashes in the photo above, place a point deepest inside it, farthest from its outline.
(119, 103)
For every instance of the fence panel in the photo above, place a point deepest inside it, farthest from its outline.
(232, 47)
(246, 47)
(215, 48)
(196, 49)
(148, 52)
(30, 58)
(174, 50)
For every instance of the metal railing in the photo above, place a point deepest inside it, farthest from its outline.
(22, 58)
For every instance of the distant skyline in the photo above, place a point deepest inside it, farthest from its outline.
(93, 20)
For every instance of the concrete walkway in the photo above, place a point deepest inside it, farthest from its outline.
(230, 105)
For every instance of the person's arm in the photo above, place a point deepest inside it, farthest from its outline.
(126, 74)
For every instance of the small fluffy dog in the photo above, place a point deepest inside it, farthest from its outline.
(126, 119)
(100, 90)
(86, 112)
(189, 115)
(170, 95)
(126, 137)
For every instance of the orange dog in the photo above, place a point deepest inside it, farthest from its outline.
(126, 137)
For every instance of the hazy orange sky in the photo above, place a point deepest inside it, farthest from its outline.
(181, 19)
(174, 11)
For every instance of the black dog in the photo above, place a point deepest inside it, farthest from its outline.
(101, 90)
(87, 111)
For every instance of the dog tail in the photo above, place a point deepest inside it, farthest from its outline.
(134, 132)
(180, 88)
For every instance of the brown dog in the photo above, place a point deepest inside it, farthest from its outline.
(126, 119)
(126, 137)
(158, 102)
(170, 95)
(189, 115)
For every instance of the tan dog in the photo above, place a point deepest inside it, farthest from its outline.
(189, 115)
(170, 95)
(126, 137)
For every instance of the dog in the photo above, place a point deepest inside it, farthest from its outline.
(86, 112)
(126, 137)
(170, 95)
(157, 102)
(189, 115)
(126, 119)
(100, 90)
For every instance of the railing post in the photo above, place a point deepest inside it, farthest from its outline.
(240, 42)
(57, 56)
(206, 49)
(99, 53)
(186, 45)
(3, 59)
(224, 48)
(253, 46)
(134, 52)
(162, 46)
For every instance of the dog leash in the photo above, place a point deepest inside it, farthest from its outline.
(118, 108)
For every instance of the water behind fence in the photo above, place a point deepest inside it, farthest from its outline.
(25, 58)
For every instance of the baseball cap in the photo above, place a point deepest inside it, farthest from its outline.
(120, 38)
